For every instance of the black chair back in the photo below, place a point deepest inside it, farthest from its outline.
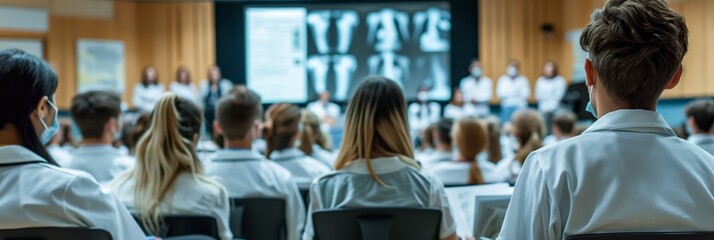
(305, 194)
(183, 225)
(54, 233)
(645, 236)
(258, 218)
(377, 224)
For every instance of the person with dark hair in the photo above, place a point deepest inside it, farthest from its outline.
(477, 89)
(244, 171)
(443, 147)
(98, 116)
(35, 191)
(628, 172)
(458, 108)
(470, 137)
(563, 126)
(700, 122)
(148, 92)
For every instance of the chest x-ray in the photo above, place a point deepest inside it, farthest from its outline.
(432, 27)
(332, 54)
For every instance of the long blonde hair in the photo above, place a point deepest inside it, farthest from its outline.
(312, 133)
(376, 125)
(166, 151)
(281, 125)
(529, 130)
(471, 139)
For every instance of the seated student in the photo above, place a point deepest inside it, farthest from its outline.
(244, 171)
(281, 132)
(628, 172)
(426, 142)
(443, 149)
(528, 130)
(376, 166)
(169, 177)
(470, 138)
(98, 114)
(35, 192)
(458, 108)
(563, 127)
(61, 144)
(700, 121)
(495, 166)
(313, 141)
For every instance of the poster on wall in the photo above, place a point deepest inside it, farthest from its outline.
(100, 65)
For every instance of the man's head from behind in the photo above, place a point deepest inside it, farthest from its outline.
(238, 113)
(564, 124)
(636, 49)
(700, 116)
(442, 135)
(97, 114)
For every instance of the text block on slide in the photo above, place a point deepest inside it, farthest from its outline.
(276, 53)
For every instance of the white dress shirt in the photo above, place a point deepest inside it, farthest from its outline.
(480, 91)
(626, 172)
(191, 195)
(549, 92)
(189, 92)
(43, 195)
(704, 141)
(103, 162)
(513, 92)
(456, 112)
(422, 115)
(335, 191)
(145, 97)
(246, 173)
(302, 167)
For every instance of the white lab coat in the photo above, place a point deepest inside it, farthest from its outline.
(456, 112)
(103, 162)
(189, 92)
(549, 92)
(480, 91)
(190, 195)
(704, 141)
(324, 156)
(303, 168)
(145, 97)
(422, 115)
(429, 159)
(425, 191)
(451, 172)
(59, 154)
(43, 195)
(323, 110)
(627, 172)
(246, 173)
(513, 92)
(504, 170)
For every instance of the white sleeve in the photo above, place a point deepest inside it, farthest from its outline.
(314, 205)
(221, 211)
(501, 90)
(539, 93)
(439, 200)
(294, 211)
(531, 213)
(560, 89)
(466, 90)
(487, 92)
(526, 90)
(435, 109)
(450, 111)
(86, 203)
(137, 97)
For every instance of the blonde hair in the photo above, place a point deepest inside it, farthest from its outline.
(529, 130)
(471, 138)
(281, 126)
(312, 134)
(376, 125)
(163, 155)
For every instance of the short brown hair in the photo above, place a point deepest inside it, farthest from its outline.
(237, 111)
(91, 111)
(565, 121)
(703, 113)
(636, 47)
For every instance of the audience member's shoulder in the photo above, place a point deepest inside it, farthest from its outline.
(54, 177)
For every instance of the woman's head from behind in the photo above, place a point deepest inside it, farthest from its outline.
(312, 133)
(494, 139)
(282, 127)
(28, 111)
(376, 125)
(529, 131)
(470, 138)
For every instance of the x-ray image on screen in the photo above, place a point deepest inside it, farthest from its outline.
(409, 43)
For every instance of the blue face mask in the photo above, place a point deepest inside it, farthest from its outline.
(52, 130)
(589, 108)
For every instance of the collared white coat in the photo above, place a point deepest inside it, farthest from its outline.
(335, 191)
(549, 92)
(302, 167)
(513, 92)
(626, 172)
(103, 162)
(480, 91)
(145, 97)
(704, 141)
(246, 173)
(43, 195)
(191, 195)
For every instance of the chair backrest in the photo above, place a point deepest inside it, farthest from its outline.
(258, 218)
(377, 224)
(54, 233)
(182, 225)
(305, 194)
(645, 236)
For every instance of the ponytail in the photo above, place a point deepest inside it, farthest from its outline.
(475, 175)
(529, 130)
(282, 123)
(534, 143)
(494, 141)
(307, 140)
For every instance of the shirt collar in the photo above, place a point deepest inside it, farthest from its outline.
(17, 154)
(93, 148)
(237, 155)
(633, 120)
(701, 138)
(288, 153)
(379, 165)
